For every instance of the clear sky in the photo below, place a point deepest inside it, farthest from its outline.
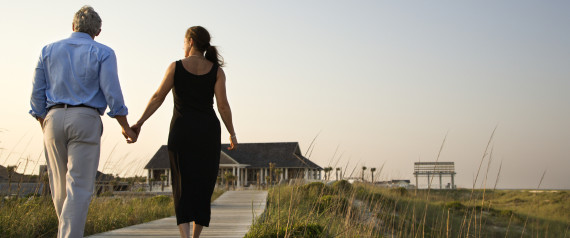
(383, 81)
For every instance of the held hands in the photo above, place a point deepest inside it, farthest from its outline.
(130, 135)
(136, 128)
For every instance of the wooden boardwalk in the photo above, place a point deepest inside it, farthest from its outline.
(232, 215)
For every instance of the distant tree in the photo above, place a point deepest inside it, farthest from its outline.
(363, 170)
(327, 171)
(372, 170)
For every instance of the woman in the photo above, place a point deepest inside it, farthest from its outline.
(194, 138)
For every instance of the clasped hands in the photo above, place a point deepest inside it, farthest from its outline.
(132, 134)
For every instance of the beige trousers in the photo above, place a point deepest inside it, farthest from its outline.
(72, 139)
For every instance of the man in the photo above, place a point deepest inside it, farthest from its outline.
(75, 79)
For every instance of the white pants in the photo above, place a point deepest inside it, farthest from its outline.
(72, 139)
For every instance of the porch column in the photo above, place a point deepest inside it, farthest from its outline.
(238, 177)
(261, 176)
(306, 173)
(452, 181)
(148, 177)
(245, 183)
(169, 175)
(286, 175)
(440, 185)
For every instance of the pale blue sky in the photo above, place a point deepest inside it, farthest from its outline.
(385, 81)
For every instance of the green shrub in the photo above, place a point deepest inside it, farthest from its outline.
(342, 186)
(315, 189)
(309, 230)
(400, 191)
(455, 205)
(332, 203)
(106, 194)
(161, 199)
(298, 231)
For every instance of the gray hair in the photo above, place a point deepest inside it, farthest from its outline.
(87, 20)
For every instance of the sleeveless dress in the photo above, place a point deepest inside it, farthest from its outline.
(194, 144)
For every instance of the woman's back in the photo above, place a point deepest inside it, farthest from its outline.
(194, 82)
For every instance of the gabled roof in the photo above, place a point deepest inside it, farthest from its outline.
(226, 159)
(256, 155)
(160, 159)
(259, 155)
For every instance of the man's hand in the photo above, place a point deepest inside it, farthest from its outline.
(41, 120)
(130, 135)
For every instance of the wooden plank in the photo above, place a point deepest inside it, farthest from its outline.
(232, 215)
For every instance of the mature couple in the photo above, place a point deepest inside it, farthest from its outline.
(74, 82)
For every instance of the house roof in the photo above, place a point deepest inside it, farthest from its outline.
(259, 155)
(160, 159)
(256, 155)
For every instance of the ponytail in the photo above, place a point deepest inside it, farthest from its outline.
(213, 55)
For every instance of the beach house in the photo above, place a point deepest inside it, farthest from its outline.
(250, 164)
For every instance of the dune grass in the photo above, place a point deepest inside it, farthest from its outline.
(35, 216)
(363, 210)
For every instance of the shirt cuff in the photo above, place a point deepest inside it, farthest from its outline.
(121, 111)
(36, 115)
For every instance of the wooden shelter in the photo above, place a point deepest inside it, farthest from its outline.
(431, 169)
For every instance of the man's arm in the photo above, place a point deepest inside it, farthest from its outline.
(38, 100)
(111, 88)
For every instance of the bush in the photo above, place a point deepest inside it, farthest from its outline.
(342, 186)
(309, 230)
(161, 199)
(106, 194)
(315, 188)
(400, 191)
(455, 205)
(335, 204)
(300, 231)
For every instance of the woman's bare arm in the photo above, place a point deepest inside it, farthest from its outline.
(223, 105)
(158, 97)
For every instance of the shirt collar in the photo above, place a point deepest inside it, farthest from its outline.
(82, 35)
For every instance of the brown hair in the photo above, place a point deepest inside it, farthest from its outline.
(201, 38)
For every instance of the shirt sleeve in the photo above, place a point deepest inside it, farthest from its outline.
(38, 100)
(109, 84)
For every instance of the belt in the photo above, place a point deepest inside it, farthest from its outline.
(69, 106)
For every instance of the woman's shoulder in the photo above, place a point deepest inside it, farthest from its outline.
(220, 74)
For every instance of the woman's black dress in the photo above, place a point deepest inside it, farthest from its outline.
(194, 145)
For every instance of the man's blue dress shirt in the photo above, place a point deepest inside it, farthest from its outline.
(76, 71)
